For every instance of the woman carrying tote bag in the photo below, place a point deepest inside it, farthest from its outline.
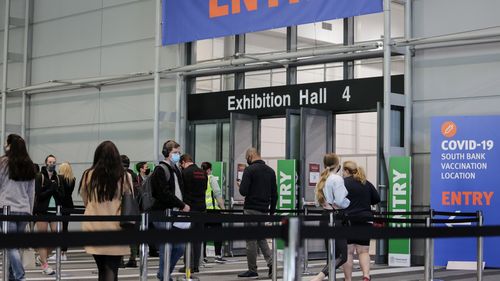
(102, 188)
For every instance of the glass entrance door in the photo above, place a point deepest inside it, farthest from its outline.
(316, 140)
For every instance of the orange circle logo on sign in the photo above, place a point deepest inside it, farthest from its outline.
(449, 129)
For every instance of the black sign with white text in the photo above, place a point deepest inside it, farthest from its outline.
(356, 95)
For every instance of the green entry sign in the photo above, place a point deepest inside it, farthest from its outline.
(399, 201)
(286, 181)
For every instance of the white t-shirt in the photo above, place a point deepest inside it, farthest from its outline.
(335, 192)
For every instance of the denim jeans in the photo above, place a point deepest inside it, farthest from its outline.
(16, 269)
(175, 254)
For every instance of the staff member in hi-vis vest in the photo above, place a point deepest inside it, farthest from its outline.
(214, 201)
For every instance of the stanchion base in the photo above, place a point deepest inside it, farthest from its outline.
(183, 278)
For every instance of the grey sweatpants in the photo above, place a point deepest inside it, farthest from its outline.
(253, 244)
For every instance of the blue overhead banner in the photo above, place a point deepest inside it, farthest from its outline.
(465, 165)
(190, 20)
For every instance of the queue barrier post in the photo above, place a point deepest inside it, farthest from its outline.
(332, 273)
(143, 250)
(291, 271)
(58, 249)
(167, 250)
(275, 258)
(5, 259)
(480, 248)
(305, 270)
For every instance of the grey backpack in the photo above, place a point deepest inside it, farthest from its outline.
(145, 197)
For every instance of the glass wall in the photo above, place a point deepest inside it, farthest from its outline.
(320, 34)
(273, 140)
(205, 145)
(371, 27)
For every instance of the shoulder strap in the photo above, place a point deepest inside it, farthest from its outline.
(166, 169)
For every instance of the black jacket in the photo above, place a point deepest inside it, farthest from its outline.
(45, 189)
(362, 197)
(69, 187)
(164, 190)
(195, 186)
(258, 185)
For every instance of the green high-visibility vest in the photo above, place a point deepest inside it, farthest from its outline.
(209, 196)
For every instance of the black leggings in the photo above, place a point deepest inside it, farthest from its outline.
(340, 249)
(108, 267)
(217, 244)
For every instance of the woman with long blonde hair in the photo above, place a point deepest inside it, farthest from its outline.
(331, 194)
(68, 183)
(362, 195)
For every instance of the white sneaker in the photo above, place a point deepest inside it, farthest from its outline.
(53, 257)
(48, 271)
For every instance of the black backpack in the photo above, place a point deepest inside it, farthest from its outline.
(145, 196)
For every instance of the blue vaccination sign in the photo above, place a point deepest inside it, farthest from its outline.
(465, 169)
(190, 20)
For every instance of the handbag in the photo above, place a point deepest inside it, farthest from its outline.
(28, 255)
(129, 207)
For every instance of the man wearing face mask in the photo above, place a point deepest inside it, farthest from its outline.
(49, 192)
(144, 171)
(168, 190)
(258, 185)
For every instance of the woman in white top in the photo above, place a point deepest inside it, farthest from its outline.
(331, 195)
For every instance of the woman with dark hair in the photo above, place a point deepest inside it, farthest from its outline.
(17, 190)
(49, 193)
(214, 201)
(102, 187)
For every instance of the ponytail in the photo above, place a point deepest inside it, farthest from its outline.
(331, 162)
(320, 196)
(356, 171)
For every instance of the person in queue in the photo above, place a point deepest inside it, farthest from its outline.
(213, 201)
(49, 192)
(17, 190)
(134, 249)
(101, 188)
(331, 195)
(362, 195)
(195, 186)
(143, 170)
(258, 186)
(168, 186)
(68, 183)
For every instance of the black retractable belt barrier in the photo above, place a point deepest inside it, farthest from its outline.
(24, 240)
(423, 213)
(475, 220)
(436, 213)
(130, 237)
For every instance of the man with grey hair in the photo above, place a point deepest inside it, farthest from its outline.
(259, 188)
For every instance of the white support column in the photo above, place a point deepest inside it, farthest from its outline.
(408, 80)
(5, 69)
(387, 81)
(156, 125)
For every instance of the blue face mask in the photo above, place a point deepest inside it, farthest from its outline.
(176, 157)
